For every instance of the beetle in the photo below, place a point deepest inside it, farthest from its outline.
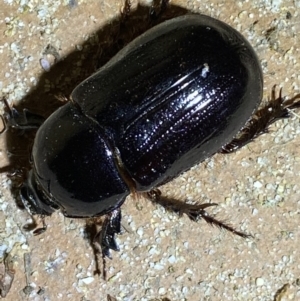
(171, 98)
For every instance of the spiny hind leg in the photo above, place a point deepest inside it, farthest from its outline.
(194, 211)
(277, 108)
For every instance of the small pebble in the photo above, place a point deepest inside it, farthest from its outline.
(259, 281)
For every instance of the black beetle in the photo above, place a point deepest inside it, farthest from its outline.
(170, 99)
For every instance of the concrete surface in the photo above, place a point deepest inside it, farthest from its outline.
(162, 256)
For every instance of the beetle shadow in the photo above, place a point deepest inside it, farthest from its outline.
(66, 74)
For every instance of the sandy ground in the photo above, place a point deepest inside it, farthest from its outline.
(161, 257)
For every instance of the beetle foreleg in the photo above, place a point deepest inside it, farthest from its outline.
(162, 8)
(106, 237)
(20, 120)
(194, 211)
(276, 109)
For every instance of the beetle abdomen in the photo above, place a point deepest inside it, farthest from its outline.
(174, 96)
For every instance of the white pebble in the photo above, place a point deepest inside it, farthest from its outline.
(259, 281)
(257, 184)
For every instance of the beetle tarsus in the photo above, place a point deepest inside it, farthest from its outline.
(277, 108)
(194, 211)
(221, 225)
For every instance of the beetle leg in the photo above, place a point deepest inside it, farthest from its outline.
(41, 230)
(276, 109)
(162, 7)
(106, 237)
(194, 211)
(20, 120)
(125, 10)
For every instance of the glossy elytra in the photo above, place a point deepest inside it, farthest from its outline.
(170, 99)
